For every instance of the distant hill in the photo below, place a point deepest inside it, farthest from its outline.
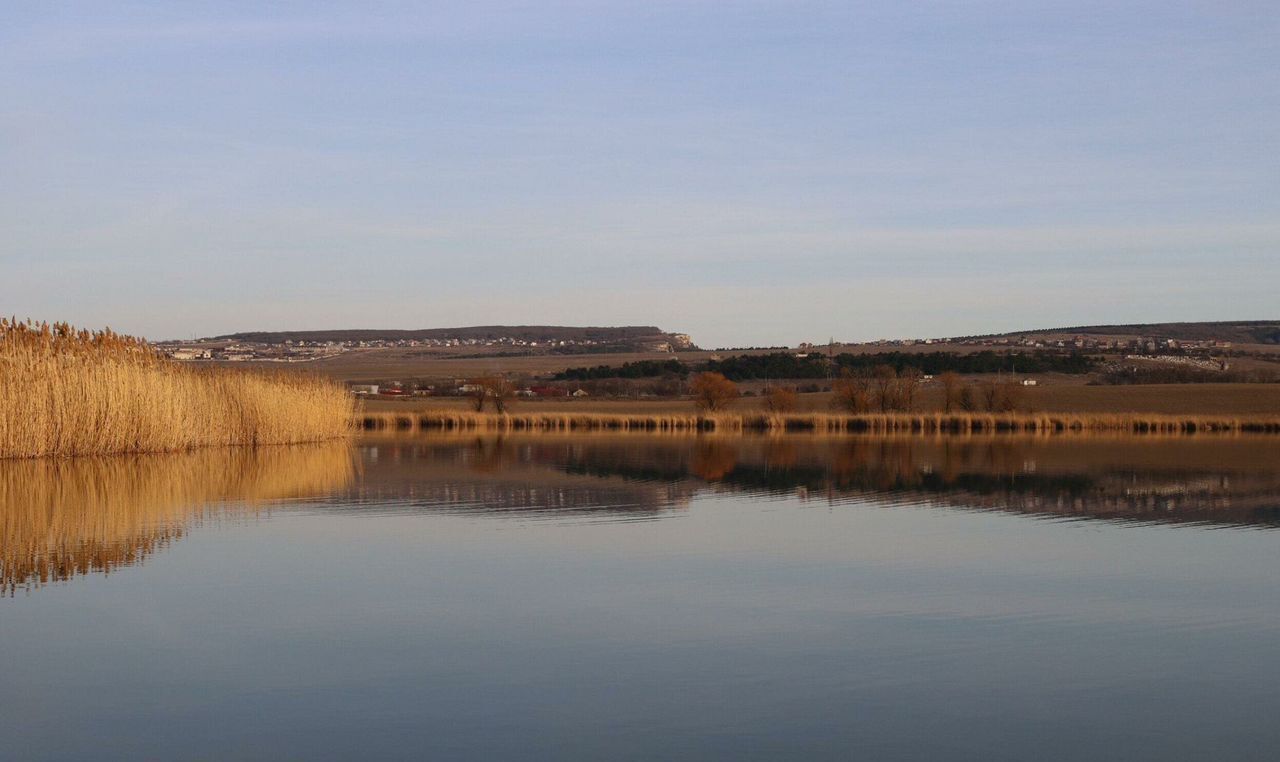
(633, 335)
(1238, 332)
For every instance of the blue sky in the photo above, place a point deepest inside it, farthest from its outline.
(752, 173)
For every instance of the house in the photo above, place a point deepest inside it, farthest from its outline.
(1029, 382)
(580, 393)
(364, 389)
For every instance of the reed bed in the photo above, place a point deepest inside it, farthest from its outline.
(69, 393)
(822, 423)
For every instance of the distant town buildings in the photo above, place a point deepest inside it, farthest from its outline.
(1042, 341)
(305, 351)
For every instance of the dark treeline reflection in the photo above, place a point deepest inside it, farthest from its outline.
(1226, 481)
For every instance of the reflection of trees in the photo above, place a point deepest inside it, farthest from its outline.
(713, 460)
(63, 518)
(781, 453)
(995, 473)
(521, 475)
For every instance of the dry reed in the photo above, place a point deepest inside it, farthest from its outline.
(65, 392)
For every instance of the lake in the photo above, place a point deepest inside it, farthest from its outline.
(646, 597)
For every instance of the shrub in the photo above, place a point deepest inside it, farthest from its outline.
(713, 392)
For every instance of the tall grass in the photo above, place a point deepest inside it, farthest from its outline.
(65, 392)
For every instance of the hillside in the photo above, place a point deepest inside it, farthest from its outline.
(1239, 332)
(542, 334)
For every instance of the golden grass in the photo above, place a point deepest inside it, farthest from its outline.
(824, 423)
(63, 517)
(65, 392)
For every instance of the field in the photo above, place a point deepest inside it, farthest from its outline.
(1053, 392)
(381, 364)
(371, 364)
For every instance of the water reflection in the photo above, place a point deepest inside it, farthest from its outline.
(1224, 481)
(63, 518)
(566, 604)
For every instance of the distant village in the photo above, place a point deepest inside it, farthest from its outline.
(459, 387)
(1087, 343)
(307, 351)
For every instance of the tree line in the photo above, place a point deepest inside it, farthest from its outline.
(880, 389)
(814, 366)
(637, 369)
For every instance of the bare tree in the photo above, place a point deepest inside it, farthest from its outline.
(950, 389)
(886, 381)
(1010, 396)
(908, 386)
(991, 395)
(852, 392)
(966, 399)
(713, 392)
(495, 389)
(780, 399)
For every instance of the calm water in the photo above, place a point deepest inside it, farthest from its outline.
(637, 597)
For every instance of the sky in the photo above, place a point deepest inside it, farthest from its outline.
(752, 173)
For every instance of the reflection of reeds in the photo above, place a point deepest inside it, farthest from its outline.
(825, 423)
(67, 392)
(61, 518)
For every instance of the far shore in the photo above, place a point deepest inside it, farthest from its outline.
(1246, 401)
(817, 423)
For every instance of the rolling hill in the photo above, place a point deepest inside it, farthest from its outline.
(621, 336)
(1239, 332)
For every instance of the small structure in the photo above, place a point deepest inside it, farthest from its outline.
(364, 389)
(1029, 382)
(580, 393)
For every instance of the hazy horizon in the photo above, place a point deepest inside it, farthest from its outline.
(666, 329)
(766, 173)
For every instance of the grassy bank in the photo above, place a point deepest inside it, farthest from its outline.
(827, 423)
(65, 392)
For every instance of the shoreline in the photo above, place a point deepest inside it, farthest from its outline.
(1139, 424)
